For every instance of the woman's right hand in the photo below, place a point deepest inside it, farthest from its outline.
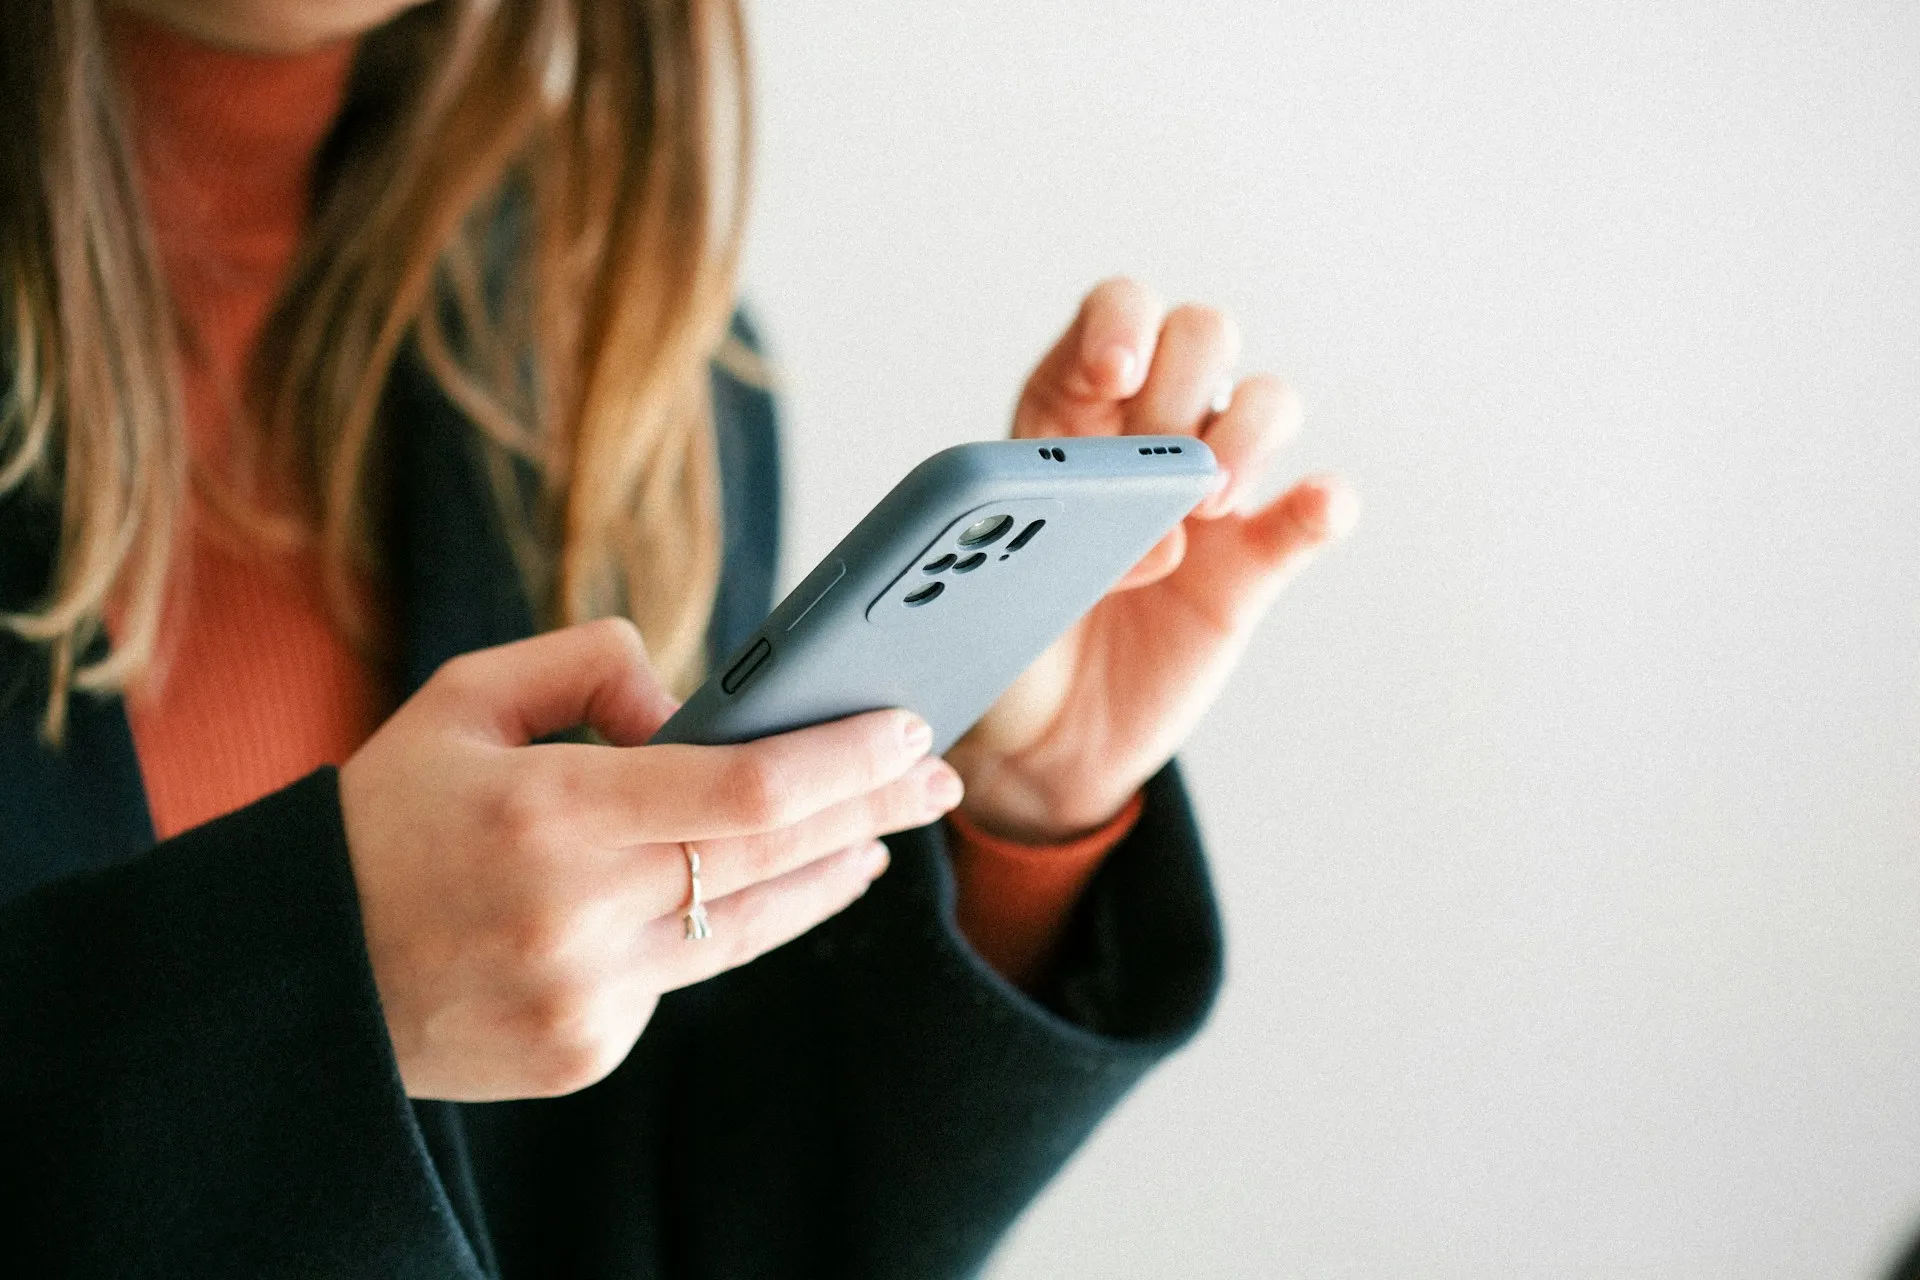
(523, 903)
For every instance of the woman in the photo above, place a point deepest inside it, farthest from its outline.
(360, 356)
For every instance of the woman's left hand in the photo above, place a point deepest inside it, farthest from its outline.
(1102, 710)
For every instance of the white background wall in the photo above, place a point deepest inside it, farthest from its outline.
(1567, 820)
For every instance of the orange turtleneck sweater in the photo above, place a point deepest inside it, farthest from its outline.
(255, 686)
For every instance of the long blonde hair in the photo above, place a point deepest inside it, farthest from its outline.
(606, 140)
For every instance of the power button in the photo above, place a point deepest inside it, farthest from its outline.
(750, 662)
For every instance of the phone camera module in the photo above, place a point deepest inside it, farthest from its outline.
(1026, 536)
(985, 532)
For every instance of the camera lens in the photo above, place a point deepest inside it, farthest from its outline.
(924, 594)
(982, 532)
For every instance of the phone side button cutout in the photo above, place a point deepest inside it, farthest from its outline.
(828, 574)
(743, 670)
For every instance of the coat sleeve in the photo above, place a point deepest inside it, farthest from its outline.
(195, 1077)
(963, 1091)
(934, 1098)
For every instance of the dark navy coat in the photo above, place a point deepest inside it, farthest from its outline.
(195, 1079)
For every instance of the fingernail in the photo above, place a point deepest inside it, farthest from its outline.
(874, 859)
(916, 733)
(1123, 367)
(944, 788)
(1343, 511)
(1216, 502)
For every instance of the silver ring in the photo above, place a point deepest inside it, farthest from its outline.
(698, 927)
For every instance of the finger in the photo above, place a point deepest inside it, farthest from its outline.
(673, 793)
(928, 791)
(595, 674)
(1261, 419)
(1193, 359)
(748, 924)
(1286, 533)
(1157, 563)
(1101, 359)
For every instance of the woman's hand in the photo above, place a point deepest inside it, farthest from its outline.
(523, 904)
(1107, 705)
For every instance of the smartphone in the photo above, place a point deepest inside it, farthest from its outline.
(949, 588)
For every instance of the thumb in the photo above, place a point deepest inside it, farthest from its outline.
(595, 674)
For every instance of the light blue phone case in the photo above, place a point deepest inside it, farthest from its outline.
(952, 585)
